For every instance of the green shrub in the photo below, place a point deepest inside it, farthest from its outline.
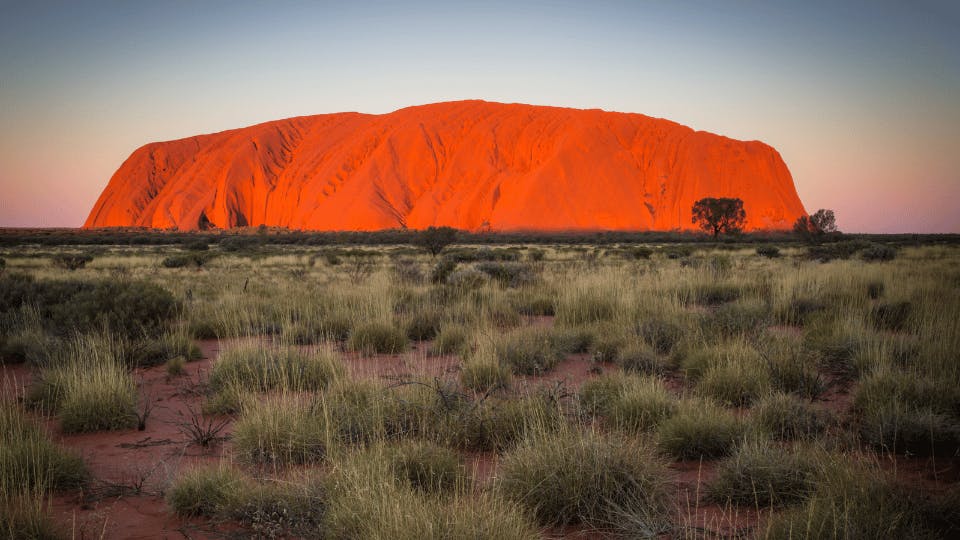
(699, 429)
(759, 474)
(442, 270)
(497, 424)
(129, 309)
(377, 338)
(204, 491)
(585, 477)
(787, 417)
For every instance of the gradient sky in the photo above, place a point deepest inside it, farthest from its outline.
(862, 99)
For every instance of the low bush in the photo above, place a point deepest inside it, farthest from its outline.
(377, 338)
(770, 252)
(878, 253)
(127, 308)
(792, 368)
(662, 335)
(585, 477)
(759, 474)
(157, 351)
(71, 261)
(442, 270)
(508, 274)
(714, 294)
(738, 319)
(699, 429)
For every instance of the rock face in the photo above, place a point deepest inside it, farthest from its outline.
(469, 164)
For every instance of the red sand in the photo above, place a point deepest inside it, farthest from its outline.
(470, 164)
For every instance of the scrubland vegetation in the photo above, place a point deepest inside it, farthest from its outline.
(381, 391)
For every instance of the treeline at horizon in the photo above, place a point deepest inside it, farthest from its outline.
(282, 236)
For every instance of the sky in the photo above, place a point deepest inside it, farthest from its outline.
(862, 99)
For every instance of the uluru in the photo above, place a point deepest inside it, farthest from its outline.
(472, 165)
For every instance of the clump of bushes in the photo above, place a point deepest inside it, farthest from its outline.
(770, 252)
(377, 338)
(450, 339)
(585, 477)
(878, 253)
(508, 274)
(714, 294)
(71, 261)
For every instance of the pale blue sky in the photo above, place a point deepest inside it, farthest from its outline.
(862, 99)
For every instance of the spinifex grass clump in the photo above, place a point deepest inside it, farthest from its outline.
(852, 501)
(377, 338)
(426, 466)
(736, 381)
(587, 306)
(260, 368)
(907, 413)
(31, 466)
(787, 417)
(585, 477)
(760, 474)
(87, 387)
(498, 423)
(483, 373)
(367, 499)
(280, 430)
(529, 351)
(450, 339)
(699, 429)
(627, 402)
(29, 459)
(205, 491)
